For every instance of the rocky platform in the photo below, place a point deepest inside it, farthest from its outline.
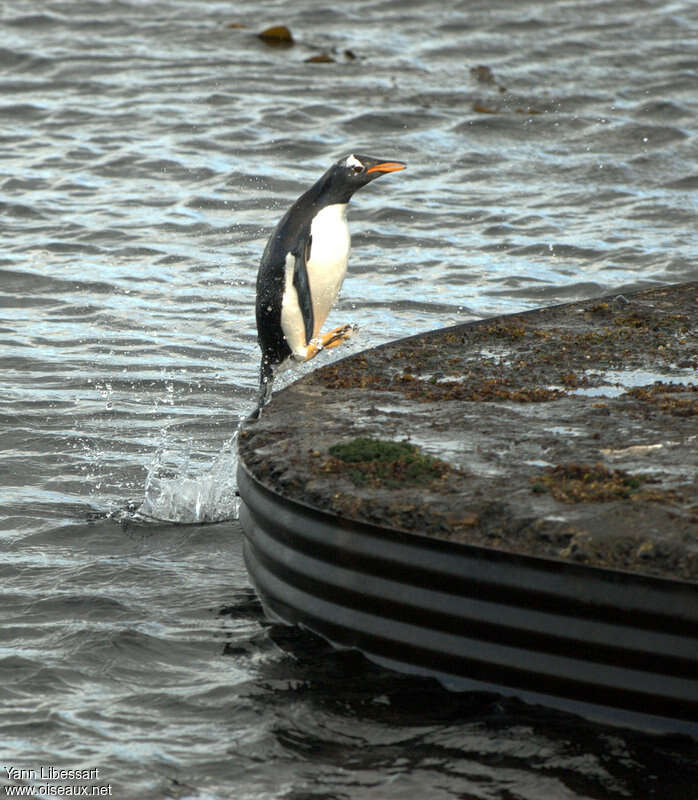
(568, 432)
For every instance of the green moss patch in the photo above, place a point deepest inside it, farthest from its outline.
(378, 462)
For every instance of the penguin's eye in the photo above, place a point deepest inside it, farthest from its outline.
(356, 169)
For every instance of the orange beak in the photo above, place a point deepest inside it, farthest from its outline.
(387, 166)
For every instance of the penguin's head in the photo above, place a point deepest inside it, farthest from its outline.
(354, 171)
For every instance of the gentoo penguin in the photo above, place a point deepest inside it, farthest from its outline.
(303, 267)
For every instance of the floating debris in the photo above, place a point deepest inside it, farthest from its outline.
(320, 58)
(482, 74)
(276, 35)
(480, 109)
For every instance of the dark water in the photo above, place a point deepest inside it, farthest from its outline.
(145, 151)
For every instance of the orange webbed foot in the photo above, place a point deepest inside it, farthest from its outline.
(330, 339)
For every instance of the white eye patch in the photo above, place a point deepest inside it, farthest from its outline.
(352, 161)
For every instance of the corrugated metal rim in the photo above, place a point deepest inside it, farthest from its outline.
(593, 640)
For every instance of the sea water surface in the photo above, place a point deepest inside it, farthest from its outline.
(146, 151)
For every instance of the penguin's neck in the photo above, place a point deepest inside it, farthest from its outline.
(330, 221)
(329, 250)
(328, 192)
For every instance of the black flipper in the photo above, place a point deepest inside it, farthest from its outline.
(301, 284)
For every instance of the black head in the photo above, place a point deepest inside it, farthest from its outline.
(354, 171)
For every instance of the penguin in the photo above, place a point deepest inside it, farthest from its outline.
(303, 267)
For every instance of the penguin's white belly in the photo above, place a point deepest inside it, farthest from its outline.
(327, 266)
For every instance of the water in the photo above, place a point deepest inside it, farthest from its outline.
(146, 151)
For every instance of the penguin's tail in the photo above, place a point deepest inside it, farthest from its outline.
(266, 381)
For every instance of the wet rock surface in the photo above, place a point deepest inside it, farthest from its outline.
(569, 432)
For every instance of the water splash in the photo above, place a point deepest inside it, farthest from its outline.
(180, 490)
(186, 498)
